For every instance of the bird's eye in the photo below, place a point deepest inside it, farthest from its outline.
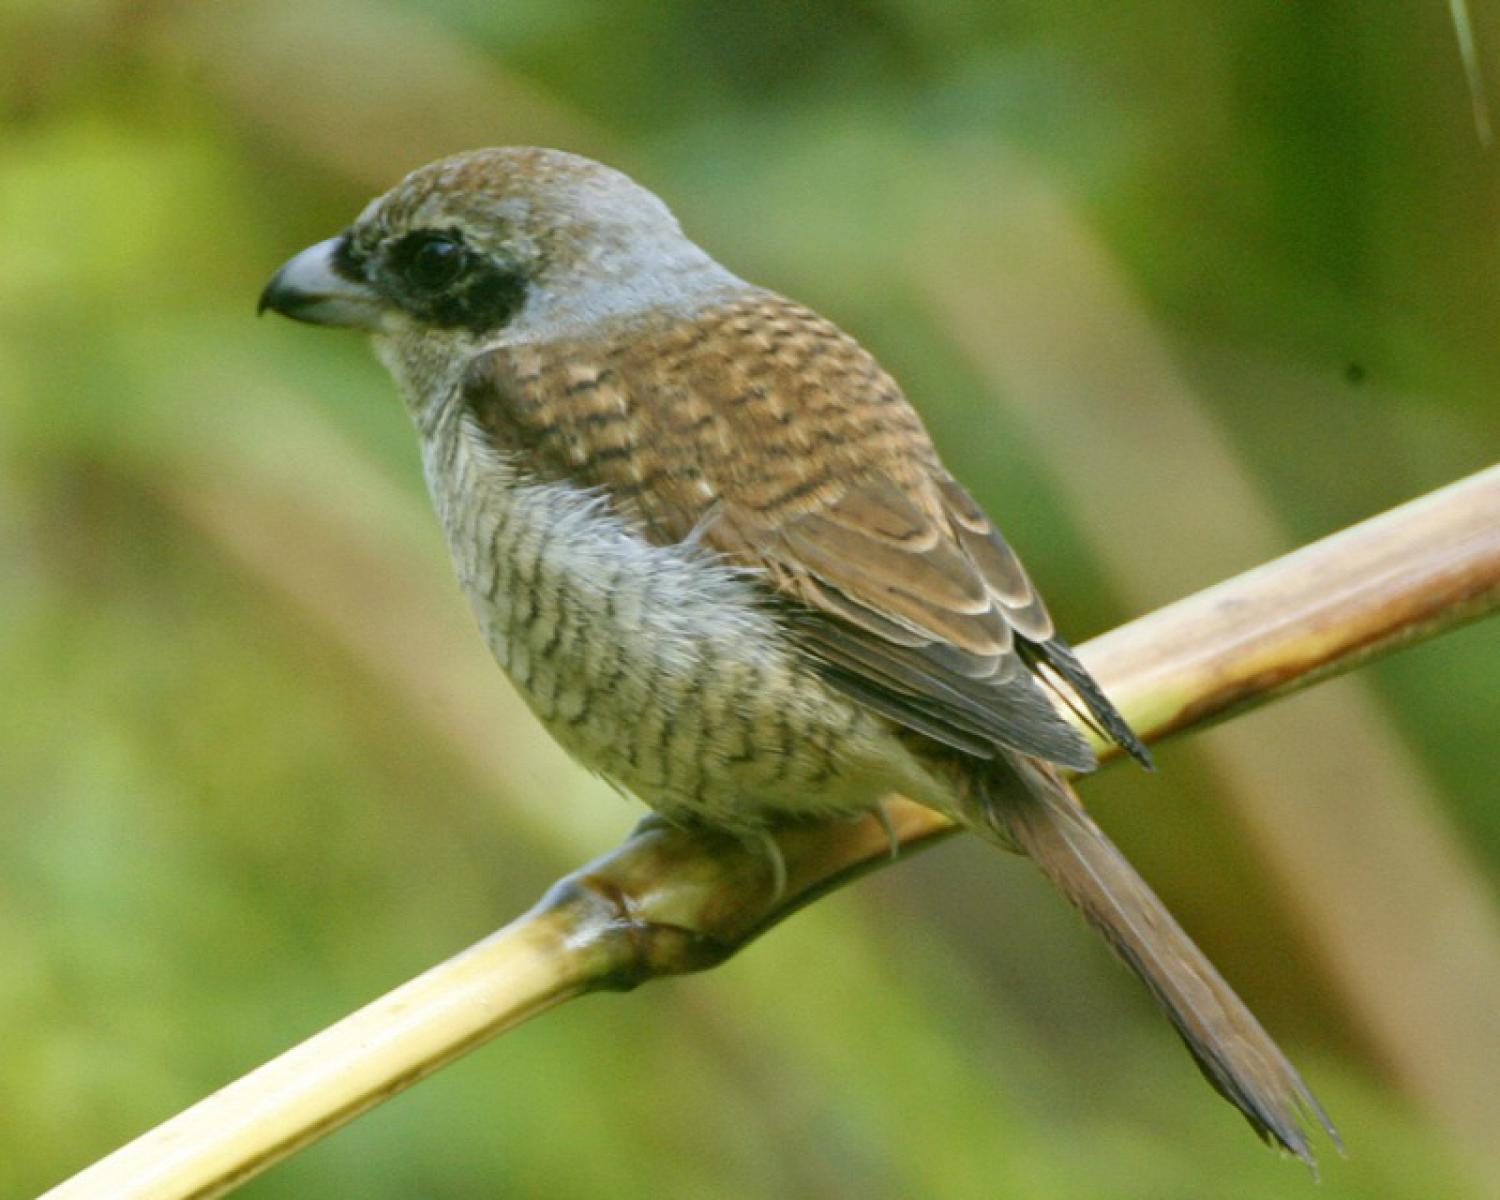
(430, 261)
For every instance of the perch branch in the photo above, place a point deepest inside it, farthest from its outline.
(667, 902)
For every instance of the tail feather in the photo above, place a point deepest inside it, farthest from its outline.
(1046, 821)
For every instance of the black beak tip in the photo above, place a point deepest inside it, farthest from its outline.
(314, 287)
(270, 296)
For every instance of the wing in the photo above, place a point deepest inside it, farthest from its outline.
(763, 432)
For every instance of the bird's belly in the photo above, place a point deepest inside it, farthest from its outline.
(656, 666)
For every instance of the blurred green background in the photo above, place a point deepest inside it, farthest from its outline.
(1179, 286)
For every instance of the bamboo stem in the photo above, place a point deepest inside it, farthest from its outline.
(1430, 565)
(667, 902)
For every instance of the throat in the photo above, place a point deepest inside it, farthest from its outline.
(428, 369)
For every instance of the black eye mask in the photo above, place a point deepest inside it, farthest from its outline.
(434, 275)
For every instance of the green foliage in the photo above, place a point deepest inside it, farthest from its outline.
(225, 824)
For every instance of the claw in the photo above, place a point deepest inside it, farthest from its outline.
(883, 815)
(777, 862)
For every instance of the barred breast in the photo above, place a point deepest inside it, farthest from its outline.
(656, 666)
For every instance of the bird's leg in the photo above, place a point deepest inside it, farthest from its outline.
(759, 841)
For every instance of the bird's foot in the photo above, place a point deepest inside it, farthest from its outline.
(883, 815)
(777, 863)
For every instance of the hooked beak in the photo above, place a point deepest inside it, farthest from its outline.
(320, 287)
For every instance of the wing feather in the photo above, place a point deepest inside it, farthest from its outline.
(760, 430)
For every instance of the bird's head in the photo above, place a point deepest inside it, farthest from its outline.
(493, 247)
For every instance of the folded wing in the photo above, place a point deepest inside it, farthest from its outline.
(761, 431)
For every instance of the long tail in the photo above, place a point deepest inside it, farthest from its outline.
(1046, 821)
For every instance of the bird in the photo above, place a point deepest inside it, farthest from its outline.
(712, 544)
